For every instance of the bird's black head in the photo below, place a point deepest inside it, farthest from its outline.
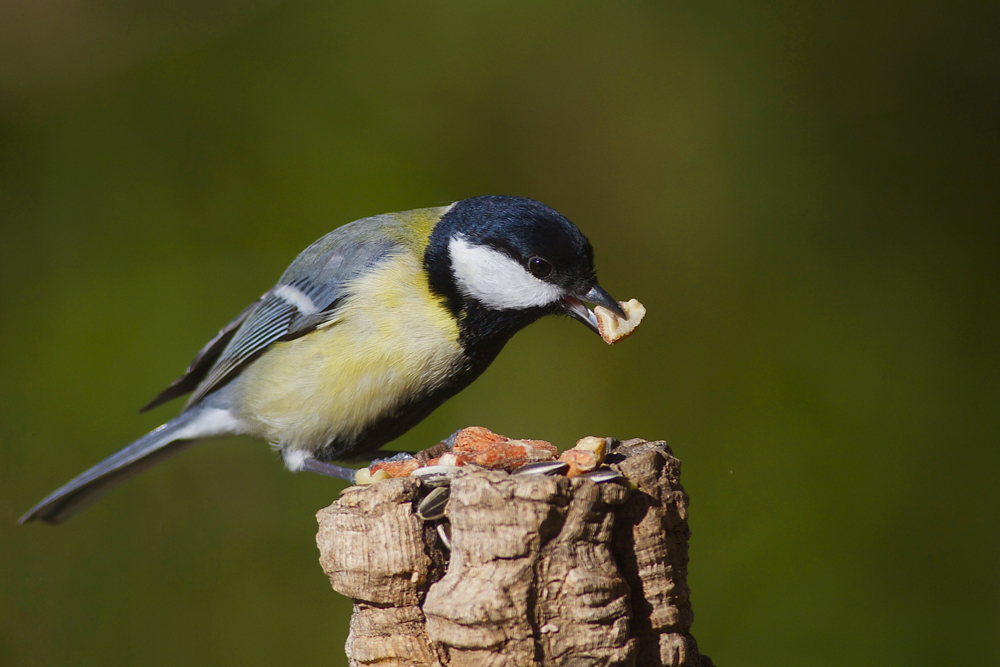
(503, 262)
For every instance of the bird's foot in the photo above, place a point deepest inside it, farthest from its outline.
(435, 451)
(329, 469)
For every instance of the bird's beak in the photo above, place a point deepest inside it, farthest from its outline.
(574, 305)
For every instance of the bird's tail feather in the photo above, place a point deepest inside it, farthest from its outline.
(172, 438)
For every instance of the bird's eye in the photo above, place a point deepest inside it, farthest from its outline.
(539, 267)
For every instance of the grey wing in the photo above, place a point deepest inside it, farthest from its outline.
(285, 312)
(307, 296)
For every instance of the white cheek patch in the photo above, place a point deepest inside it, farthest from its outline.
(496, 280)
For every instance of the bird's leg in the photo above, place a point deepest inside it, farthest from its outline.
(340, 472)
(329, 469)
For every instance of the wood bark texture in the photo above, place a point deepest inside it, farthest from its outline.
(542, 570)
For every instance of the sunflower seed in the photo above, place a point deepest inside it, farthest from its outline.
(433, 505)
(603, 475)
(444, 532)
(435, 475)
(542, 468)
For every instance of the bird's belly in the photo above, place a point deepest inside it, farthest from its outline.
(378, 355)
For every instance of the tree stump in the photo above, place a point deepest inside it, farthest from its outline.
(541, 570)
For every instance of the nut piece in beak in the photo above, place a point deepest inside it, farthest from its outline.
(612, 327)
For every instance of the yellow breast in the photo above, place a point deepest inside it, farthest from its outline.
(392, 341)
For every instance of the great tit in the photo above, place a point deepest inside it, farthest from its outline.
(369, 330)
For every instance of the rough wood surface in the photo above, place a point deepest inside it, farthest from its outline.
(541, 571)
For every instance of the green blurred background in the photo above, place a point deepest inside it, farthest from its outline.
(804, 195)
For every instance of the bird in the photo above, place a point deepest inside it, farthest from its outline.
(367, 332)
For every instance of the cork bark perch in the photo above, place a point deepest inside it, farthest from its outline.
(541, 571)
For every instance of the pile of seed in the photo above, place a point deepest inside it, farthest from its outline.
(482, 447)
